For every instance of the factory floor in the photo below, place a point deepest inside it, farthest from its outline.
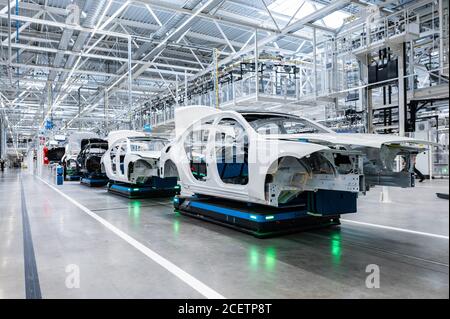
(72, 241)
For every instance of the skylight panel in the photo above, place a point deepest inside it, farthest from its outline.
(289, 7)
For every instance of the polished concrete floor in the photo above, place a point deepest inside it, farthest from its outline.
(105, 237)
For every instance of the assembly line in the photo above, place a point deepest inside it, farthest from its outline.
(256, 171)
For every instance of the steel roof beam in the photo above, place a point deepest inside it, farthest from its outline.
(286, 31)
(12, 4)
(63, 25)
(95, 56)
(221, 19)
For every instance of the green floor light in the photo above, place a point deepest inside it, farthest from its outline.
(176, 227)
(336, 249)
(270, 258)
(253, 258)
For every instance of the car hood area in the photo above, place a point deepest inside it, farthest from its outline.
(350, 139)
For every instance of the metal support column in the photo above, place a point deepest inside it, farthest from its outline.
(17, 40)
(79, 105)
(176, 91)
(430, 155)
(369, 102)
(411, 67)
(315, 61)
(300, 87)
(256, 66)
(130, 83)
(401, 90)
(164, 113)
(216, 78)
(185, 88)
(365, 93)
(234, 92)
(106, 106)
(441, 37)
(9, 43)
(2, 135)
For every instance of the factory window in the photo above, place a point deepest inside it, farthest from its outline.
(195, 148)
(231, 148)
(147, 145)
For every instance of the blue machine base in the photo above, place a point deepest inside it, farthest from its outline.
(134, 191)
(94, 182)
(258, 220)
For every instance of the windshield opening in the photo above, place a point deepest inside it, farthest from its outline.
(268, 124)
(97, 148)
(147, 145)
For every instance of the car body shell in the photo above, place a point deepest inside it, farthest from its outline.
(265, 151)
(89, 158)
(125, 162)
(72, 149)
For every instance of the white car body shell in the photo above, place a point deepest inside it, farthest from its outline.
(260, 156)
(117, 165)
(254, 190)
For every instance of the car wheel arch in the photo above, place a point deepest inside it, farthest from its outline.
(170, 169)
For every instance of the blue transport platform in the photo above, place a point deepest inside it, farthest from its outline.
(259, 220)
(72, 178)
(94, 181)
(156, 187)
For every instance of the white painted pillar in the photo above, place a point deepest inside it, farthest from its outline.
(106, 105)
(315, 61)
(441, 37)
(185, 88)
(130, 83)
(401, 91)
(176, 90)
(256, 66)
(430, 156)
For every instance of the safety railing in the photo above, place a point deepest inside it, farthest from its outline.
(376, 30)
